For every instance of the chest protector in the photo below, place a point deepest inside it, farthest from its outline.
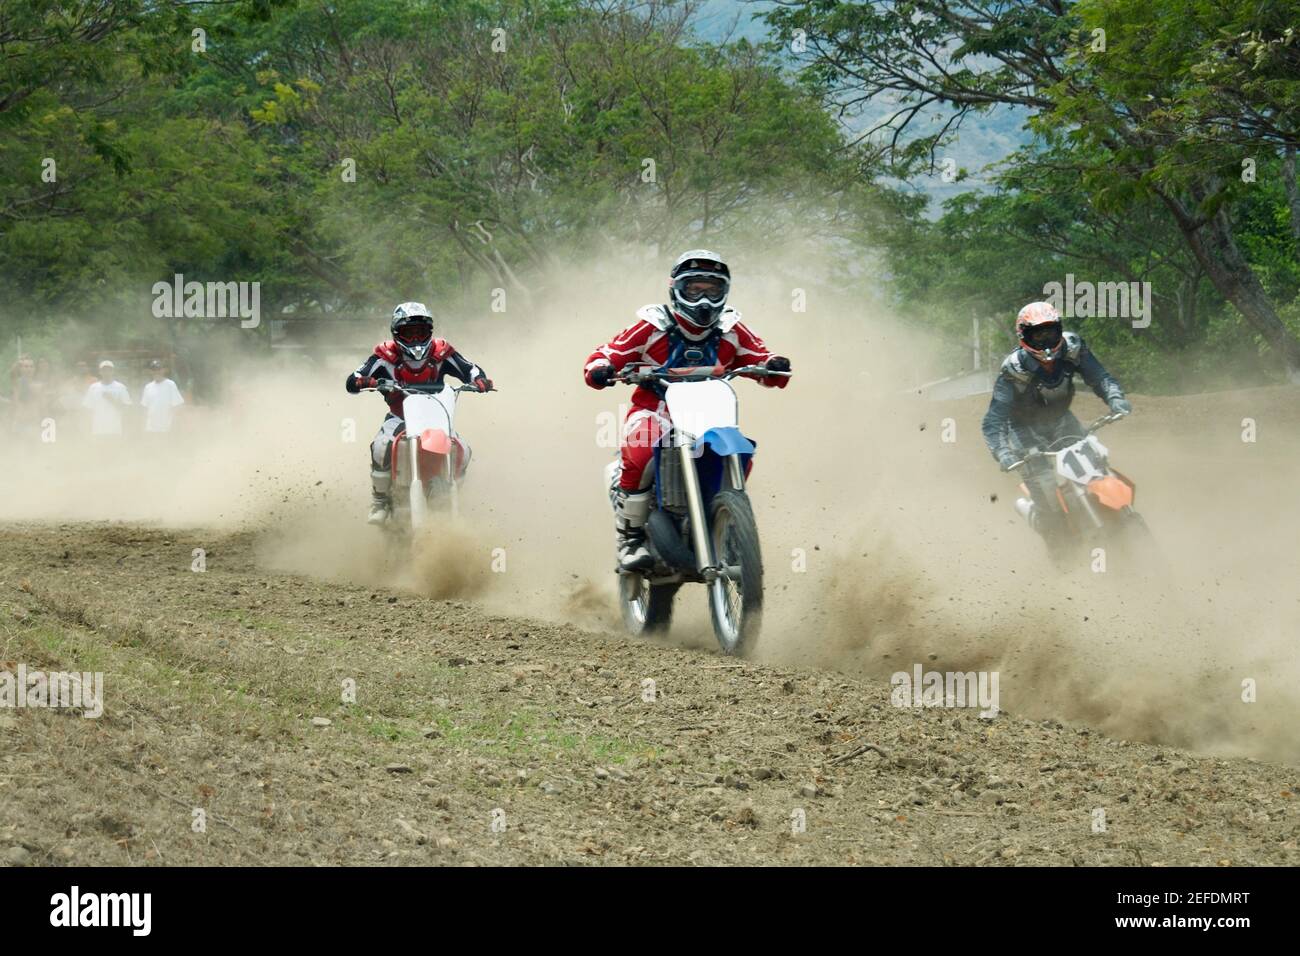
(1055, 392)
(404, 375)
(1042, 396)
(684, 352)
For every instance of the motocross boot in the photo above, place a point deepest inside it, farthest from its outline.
(1050, 528)
(381, 482)
(630, 512)
(1025, 508)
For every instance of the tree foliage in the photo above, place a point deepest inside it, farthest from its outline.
(1184, 108)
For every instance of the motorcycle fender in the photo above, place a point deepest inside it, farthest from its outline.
(711, 451)
(724, 442)
(1114, 491)
(435, 441)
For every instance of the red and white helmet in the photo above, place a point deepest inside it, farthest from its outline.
(1038, 327)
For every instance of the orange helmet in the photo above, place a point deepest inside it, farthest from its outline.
(1038, 327)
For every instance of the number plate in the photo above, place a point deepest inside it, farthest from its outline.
(1083, 461)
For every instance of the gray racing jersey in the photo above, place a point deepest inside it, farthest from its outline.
(1028, 396)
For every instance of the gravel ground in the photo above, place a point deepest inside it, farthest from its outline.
(228, 736)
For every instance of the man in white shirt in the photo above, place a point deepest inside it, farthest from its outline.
(105, 399)
(160, 398)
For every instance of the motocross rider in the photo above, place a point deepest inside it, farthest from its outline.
(695, 328)
(411, 356)
(1031, 399)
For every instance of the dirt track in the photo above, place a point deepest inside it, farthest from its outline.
(886, 545)
(213, 680)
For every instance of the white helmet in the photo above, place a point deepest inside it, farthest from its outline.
(698, 284)
(412, 330)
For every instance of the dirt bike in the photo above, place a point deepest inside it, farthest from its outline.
(425, 454)
(701, 527)
(1090, 503)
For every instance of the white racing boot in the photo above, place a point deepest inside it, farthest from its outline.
(1025, 508)
(381, 483)
(631, 508)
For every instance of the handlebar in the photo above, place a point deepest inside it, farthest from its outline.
(1106, 420)
(646, 374)
(386, 387)
(1035, 453)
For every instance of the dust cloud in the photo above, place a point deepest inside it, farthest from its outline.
(885, 546)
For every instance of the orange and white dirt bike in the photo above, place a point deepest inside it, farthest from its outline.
(1075, 500)
(428, 457)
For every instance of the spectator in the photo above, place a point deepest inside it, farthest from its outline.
(105, 399)
(159, 398)
(46, 389)
(24, 396)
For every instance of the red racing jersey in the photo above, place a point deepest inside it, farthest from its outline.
(654, 339)
(386, 363)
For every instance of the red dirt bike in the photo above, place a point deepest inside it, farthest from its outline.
(426, 453)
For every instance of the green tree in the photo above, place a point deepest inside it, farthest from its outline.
(1140, 111)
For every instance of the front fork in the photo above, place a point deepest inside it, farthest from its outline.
(704, 557)
(417, 502)
(1043, 489)
(414, 445)
(1086, 505)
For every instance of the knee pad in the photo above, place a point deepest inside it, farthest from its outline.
(633, 508)
(381, 446)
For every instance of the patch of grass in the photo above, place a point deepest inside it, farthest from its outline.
(64, 647)
(531, 734)
(388, 730)
(274, 692)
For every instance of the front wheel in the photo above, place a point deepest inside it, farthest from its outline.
(647, 608)
(443, 495)
(736, 595)
(1136, 542)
